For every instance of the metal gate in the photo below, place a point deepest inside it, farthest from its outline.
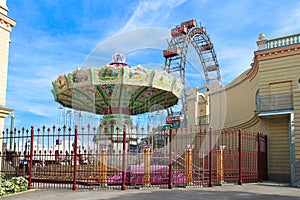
(133, 157)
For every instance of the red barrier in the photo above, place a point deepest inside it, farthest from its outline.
(240, 158)
(170, 184)
(31, 158)
(73, 158)
(124, 159)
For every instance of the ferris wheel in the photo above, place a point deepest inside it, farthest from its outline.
(190, 34)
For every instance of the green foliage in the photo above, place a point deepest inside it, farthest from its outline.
(15, 184)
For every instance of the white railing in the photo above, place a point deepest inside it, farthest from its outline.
(283, 41)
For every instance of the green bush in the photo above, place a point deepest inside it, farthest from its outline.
(15, 184)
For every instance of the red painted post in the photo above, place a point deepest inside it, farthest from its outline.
(240, 158)
(258, 157)
(31, 158)
(170, 184)
(210, 159)
(75, 158)
(124, 159)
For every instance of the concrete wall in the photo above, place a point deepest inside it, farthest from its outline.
(241, 103)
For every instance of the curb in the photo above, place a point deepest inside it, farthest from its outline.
(18, 193)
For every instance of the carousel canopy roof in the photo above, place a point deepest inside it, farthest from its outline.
(117, 88)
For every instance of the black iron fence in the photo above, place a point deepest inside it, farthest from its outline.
(130, 157)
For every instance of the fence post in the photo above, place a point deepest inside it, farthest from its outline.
(170, 160)
(240, 158)
(124, 160)
(210, 159)
(258, 157)
(75, 158)
(266, 157)
(31, 158)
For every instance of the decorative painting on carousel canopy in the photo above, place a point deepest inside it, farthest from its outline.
(177, 88)
(61, 84)
(137, 75)
(79, 77)
(106, 75)
(163, 80)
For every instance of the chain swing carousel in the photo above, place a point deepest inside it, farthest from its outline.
(117, 91)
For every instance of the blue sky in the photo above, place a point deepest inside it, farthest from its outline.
(55, 37)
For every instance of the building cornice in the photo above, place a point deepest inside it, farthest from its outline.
(6, 22)
(277, 52)
(269, 54)
(4, 8)
(4, 112)
(253, 71)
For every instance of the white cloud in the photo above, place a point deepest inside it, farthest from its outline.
(289, 22)
(148, 13)
(127, 42)
(233, 61)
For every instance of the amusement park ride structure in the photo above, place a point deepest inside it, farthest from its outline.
(118, 91)
(118, 153)
(183, 36)
(188, 33)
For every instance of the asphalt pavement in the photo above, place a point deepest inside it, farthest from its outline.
(230, 192)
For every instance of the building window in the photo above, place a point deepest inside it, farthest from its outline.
(257, 102)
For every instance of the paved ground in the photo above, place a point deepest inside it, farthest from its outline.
(233, 192)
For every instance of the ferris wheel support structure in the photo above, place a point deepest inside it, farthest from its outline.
(188, 34)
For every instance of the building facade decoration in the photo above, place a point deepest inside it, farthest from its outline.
(6, 25)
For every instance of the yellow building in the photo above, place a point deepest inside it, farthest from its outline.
(6, 25)
(265, 98)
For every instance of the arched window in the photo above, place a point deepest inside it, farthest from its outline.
(257, 100)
